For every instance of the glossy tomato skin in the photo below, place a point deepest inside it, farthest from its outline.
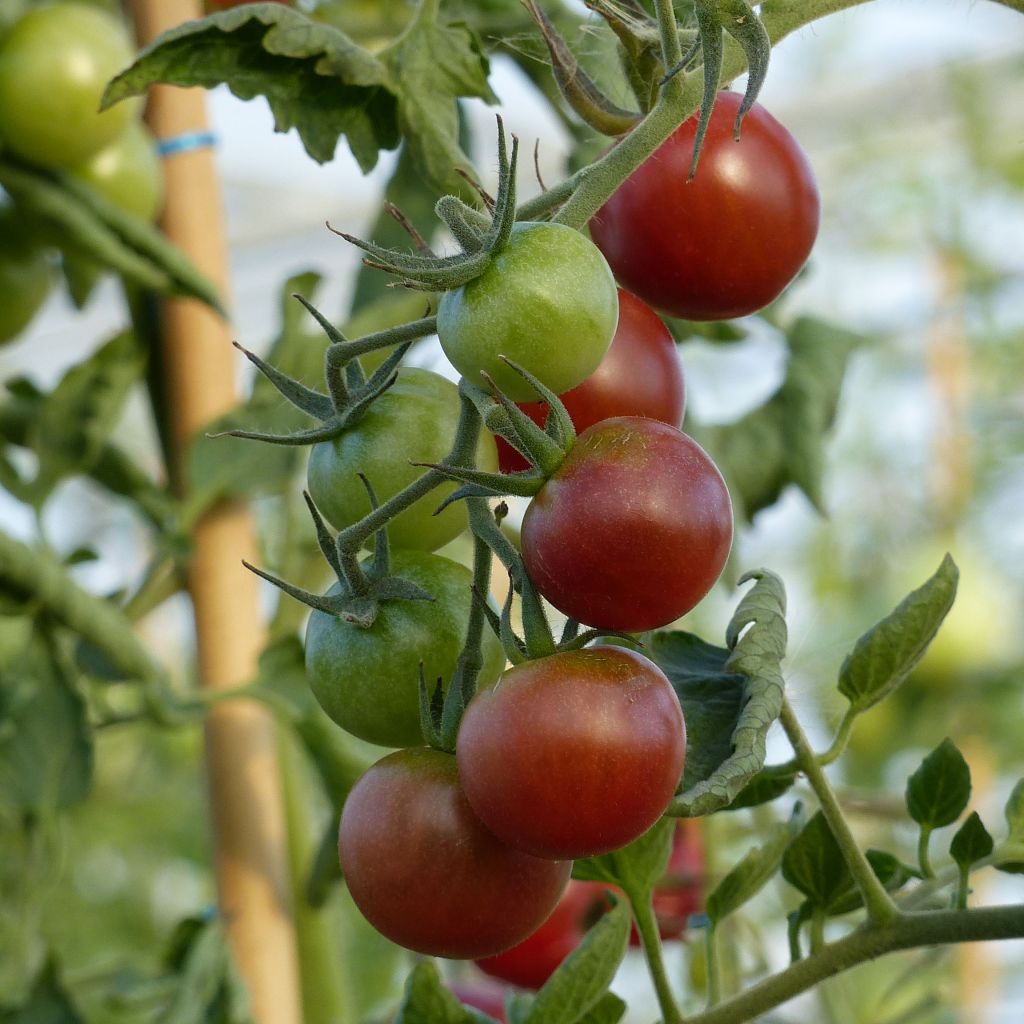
(367, 679)
(640, 376)
(536, 958)
(127, 172)
(547, 302)
(55, 63)
(427, 874)
(726, 243)
(575, 754)
(632, 530)
(413, 421)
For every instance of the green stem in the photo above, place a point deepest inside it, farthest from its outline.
(647, 926)
(905, 931)
(324, 999)
(878, 902)
(162, 582)
(834, 752)
(671, 51)
(817, 930)
(389, 338)
(713, 966)
(923, 859)
(963, 886)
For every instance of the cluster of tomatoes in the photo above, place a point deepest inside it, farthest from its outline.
(55, 62)
(577, 753)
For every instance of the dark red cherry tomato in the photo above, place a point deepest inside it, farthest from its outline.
(427, 874)
(575, 754)
(535, 959)
(633, 528)
(726, 243)
(640, 376)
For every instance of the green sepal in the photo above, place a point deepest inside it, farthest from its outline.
(578, 89)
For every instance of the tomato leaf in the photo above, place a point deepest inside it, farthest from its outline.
(762, 789)
(313, 76)
(783, 441)
(754, 871)
(427, 1001)
(431, 65)
(81, 412)
(78, 219)
(209, 986)
(939, 789)
(635, 868)
(730, 698)
(581, 981)
(1013, 863)
(48, 1002)
(815, 865)
(46, 746)
(609, 1009)
(972, 842)
(888, 869)
(887, 653)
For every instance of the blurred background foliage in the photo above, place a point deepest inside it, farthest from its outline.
(914, 119)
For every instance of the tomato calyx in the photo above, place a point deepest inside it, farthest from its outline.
(544, 448)
(428, 272)
(360, 592)
(715, 19)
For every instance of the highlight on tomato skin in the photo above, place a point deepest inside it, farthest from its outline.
(427, 874)
(641, 375)
(726, 243)
(575, 754)
(632, 530)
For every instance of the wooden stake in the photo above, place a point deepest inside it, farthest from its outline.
(242, 771)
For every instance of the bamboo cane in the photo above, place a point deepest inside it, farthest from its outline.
(241, 756)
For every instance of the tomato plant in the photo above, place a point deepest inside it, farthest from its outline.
(489, 998)
(680, 891)
(413, 421)
(547, 302)
(530, 963)
(54, 65)
(726, 243)
(367, 677)
(574, 754)
(632, 530)
(427, 874)
(640, 376)
(128, 172)
(25, 277)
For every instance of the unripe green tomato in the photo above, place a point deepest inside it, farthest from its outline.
(54, 65)
(548, 302)
(367, 679)
(128, 172)
(413, 421)
(25, 278)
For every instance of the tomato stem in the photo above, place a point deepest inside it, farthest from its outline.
(647, 926)
(878, 902)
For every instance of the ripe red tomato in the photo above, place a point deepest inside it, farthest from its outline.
(633, 528)
(575, 754)
(640, 376)
(726, 243)
(534, 960)
(424, 870)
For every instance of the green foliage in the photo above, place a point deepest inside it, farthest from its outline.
(939, 789)
(427, 1001)
(884, 656)
(783, 441)
(733, 696)
(971, 843)
(814, 864)
(758, 866)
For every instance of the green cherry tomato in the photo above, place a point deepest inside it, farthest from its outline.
(54, 65)
(25, 277)
(367, 679)
(547, 302)
(128, 172)
(413, 421)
